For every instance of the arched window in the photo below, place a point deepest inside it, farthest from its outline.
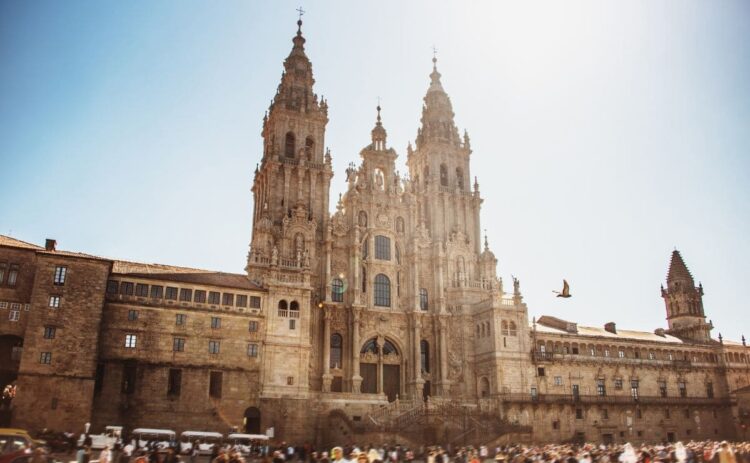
(460, 178)
(362, 218)
(443, 175)
(389, 348)
(382, 247)
(337, 343)
(382, 291)
(337, 290)
(283, 306)
(364, 280)
(504, 328)
(309, 146)
(424, 352)
(423, 302)
(512, 328)
(370, 347)
(294, 306)
(289, 145)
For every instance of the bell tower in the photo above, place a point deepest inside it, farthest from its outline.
(684, 303)
(291, 185)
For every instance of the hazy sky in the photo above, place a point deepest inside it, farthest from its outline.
(604, 133)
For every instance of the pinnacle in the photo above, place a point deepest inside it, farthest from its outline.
(677, 268)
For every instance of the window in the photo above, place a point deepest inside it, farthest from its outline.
(180, 319)
(215, 322)
(534, 393)
(364, 280)
(241, 300)
(112, 286)
(634, 388)
(132, 315)
(292, 324)
(213, 297)
(651, 356)
(213, 347)
(638, 413)
(540, 371)
(3, 305)
(141, 290)
(579, 413)
(294, 309)
(186, 294)
(199, 296)
(710, 390)
(130, 341)
(255, 302)
(283, 308)
(252, 350)
(46, 358)
(505, 332)
(618, 384)
(621, 354)
(606, 352)
(60, 275)
(601, 388)
(227, 299)
(423, 301)
(605, 414)
(663, 388)
(157, 292)
(49, 332)
(171, 293)
(443, 175)
(576, 392)
(3, 271)
(424, 355)
(126, 288)
(129, 370)
(512, 328)
(337, 290)
(382, 291)
(14, 315)
(214, 387)
(555, 424)
(54, 302)
(174, 383)
(558, 380)
(178, 344)
(682, 386)
(289, 145)
(253, 326)
(13, 274)
(290, 380)
(382, 247)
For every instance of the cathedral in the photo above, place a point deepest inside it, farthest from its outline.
(378, 318)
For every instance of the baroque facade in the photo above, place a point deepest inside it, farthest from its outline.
(383, 319)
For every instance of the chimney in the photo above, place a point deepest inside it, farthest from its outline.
(660, 332)
(50, 244)
(610, 327)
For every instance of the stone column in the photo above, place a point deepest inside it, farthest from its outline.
(380, 343)
(417, 360)
(356, 378)
(327, 377)
(443, 339)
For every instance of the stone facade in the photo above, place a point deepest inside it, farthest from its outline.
(384, 319)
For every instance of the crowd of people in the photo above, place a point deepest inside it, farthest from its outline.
(692, 452)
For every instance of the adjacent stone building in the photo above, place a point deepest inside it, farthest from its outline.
(384, 319)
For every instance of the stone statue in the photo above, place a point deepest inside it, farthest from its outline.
(306, 258)
(275, 256)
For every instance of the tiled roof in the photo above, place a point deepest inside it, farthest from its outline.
(184, 275)
(625, 335)
(12, 242)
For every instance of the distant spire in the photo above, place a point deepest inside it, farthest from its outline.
(378, 133)
(437, 113)
(677, 269)
(486, 244)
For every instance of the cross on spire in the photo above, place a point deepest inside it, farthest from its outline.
(301, 12)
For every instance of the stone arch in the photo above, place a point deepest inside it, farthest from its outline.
(252, 420)
(484, 387)
(382, 369)
(289, 144)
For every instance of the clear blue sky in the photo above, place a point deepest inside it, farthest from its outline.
(604, 133)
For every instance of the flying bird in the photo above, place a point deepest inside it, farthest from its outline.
(566, 290)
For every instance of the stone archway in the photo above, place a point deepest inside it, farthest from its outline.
(252, 420)
(380, 368)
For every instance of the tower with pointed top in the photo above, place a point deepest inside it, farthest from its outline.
(291, 185)
(684, 303)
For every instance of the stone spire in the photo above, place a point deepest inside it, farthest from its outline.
(437, 114)
(678, 271)
(295, 92)
(378, 133)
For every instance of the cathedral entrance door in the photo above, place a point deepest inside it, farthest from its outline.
(252, 420)
(369, 373)
(391, 381)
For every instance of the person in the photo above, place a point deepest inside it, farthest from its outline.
(680, 454)
(726, 455)
(38, 456)
(194, 451)
(337, 455)
(116, 454)
(628, 454)
(105, 456)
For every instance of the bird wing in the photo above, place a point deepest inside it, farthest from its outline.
(566, 287)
